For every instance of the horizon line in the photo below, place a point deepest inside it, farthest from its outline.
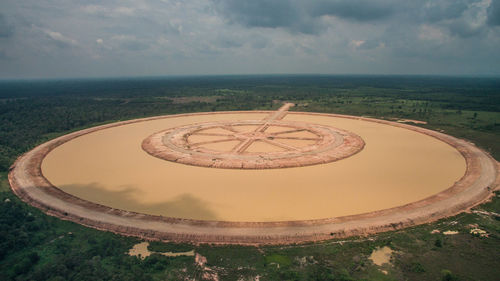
(124, 77)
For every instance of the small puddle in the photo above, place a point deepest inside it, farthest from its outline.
(380, 256)
(141, 250)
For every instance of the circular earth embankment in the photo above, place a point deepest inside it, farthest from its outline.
(253, 177)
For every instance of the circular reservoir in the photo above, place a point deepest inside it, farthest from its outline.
(254, 177)
(397, 166)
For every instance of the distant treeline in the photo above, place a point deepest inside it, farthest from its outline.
(32, 111)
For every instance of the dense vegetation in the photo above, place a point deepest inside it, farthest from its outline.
(34, 246)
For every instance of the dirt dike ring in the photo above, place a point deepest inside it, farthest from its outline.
(476, 186)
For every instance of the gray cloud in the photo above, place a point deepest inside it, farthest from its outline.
(59, 39)
(259, 42)
(227, 42)
(261, 13)
(264, 13)
(459, 16)
(464, 29)
(359, 10)
(494, 13)
(128, 42)
(3, 55)
(302, 16)
(434, 11)
(54, 38)
(456, 18)
(372, 44)
(6, 29)
(134, 46)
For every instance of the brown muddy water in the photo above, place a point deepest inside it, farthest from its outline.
(396, 167)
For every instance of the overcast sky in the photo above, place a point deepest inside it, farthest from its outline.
(76, 38)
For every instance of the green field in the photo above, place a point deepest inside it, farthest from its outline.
(34, 246)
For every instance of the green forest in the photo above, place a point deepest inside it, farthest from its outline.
(34, 246)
